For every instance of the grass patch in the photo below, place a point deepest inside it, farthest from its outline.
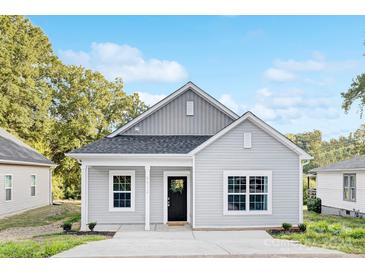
(334, 232)
(43, 216)
(44, 246)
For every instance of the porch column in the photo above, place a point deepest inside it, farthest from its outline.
(84, 197)
(147, 197)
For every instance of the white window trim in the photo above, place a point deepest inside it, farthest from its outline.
(247, 140)
(247, 173)
(12, 187)
(350, 200)
(35, 185)
(131, 173)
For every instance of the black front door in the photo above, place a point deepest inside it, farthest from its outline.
(177, 198)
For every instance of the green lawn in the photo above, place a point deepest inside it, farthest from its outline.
(334, 232)
(43, 216)
(44, 246)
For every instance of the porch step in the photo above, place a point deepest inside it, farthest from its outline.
(177, 223)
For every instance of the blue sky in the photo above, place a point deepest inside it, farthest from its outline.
(288, 70)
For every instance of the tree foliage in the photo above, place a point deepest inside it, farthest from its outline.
(53, 107)
(356, 92)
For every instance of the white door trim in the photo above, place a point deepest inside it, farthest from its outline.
(167, 174)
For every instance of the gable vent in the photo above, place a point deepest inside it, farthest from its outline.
(190, 108)
(247, 140)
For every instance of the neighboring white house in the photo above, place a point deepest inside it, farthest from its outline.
(25, 176)
(189, 158)
(341, 187)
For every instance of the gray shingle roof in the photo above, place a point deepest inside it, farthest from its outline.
(145, 144)
(353, 163)
(9, 150)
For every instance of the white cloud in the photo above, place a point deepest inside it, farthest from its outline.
(232, 104)
(285, 108)
(307, 65)
(279, 75)
(149, 98)
(114, 60)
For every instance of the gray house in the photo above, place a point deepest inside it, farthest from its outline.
(191, 159)
(341, 187)
(25, 176)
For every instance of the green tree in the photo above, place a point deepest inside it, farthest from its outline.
(86, 107)
(356, 92)
(26, 65)
(53, 107)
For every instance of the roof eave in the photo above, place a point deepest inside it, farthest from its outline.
(26, 163)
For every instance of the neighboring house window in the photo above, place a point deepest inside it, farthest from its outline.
(190, 108)
(121, 187)
(247, 192)
(33, 182)
(349, 187)
(8, 180)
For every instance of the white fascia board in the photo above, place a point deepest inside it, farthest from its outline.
(134, 159)
(340, 170)
(168, 99)
(25, 163)
(261, 124)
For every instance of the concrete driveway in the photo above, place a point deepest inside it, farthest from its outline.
(163, 241)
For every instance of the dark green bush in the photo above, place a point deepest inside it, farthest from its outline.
(314, 204)
(286, 226)
(91, 226)
(302, 227)
(66, 226)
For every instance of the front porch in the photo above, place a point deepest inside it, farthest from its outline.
(146, 201)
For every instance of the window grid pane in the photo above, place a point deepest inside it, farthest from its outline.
(8, 195)
(33, 180)
(32, 190)
(258, 202)
(349, 187)
(236, 202)
(122, 191)
(258, 184)
(236, 184)
(8, 181)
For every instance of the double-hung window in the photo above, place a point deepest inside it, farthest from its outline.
(33, 183)
(247, 192)
(121, 190)
(349, 187)
(8, 183)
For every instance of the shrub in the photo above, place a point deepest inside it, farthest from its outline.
(286, 226)
(335, 229)
(314, 204)
(66, 226)
(302, 227)
(91, 226)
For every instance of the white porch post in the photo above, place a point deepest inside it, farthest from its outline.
(84, 197)
(147, 197)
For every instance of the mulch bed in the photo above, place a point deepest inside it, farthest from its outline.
(281, 230)
(104, 233)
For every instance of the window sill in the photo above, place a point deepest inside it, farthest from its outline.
(233, 213)
(121, 209)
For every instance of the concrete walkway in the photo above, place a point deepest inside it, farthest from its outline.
(163, 241)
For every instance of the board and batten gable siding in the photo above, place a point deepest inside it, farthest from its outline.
(330, 190)
(171, 119)
(98, 191)
(227, 153)
(21, 193)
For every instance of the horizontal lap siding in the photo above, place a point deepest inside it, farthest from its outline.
(330, 190)
(22, 200)
(227, 153)
(98, 203)
(172, 119)
(99, 195)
